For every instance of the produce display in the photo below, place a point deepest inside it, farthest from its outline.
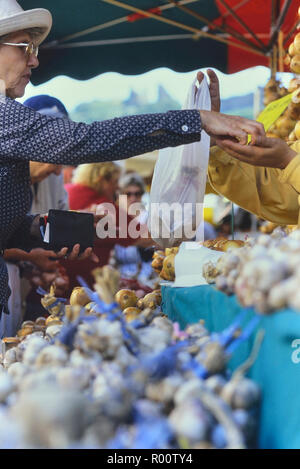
(264, 273)
(119, 374)
(223, 244)
(293, 57)
(268, 227)
(286, 126)
(164, 263)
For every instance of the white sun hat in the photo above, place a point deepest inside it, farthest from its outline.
(13, 18)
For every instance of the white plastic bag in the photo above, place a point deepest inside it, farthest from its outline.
(179, 178)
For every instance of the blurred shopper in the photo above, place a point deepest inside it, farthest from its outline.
(133, 261)
(47, 182)
(93, 184)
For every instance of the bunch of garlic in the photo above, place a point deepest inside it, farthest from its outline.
(264, 274)
(86, 394)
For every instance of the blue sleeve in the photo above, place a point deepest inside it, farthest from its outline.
(28, 135)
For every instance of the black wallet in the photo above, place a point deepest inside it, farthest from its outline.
(65, 229)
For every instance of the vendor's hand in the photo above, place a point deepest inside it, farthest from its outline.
(74, 255)
(269, 152)
(236, 128)
(43, 259)
(214, 89)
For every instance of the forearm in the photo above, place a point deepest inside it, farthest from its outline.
(16, 255)
(257, 189)
(61, 141)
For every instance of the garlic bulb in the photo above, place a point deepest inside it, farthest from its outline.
(51, 355)
(51, 417)
(32, 350)
(6, 386)
(190, 420)
(241, 393)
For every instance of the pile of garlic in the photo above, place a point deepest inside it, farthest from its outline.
(264, 274)
(99, 382)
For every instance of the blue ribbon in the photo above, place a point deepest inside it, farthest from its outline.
(244, 336)
(228, 334)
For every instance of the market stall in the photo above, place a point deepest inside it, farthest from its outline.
(274, 369)
(209, 364)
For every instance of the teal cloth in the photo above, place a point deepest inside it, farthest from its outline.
(274, 370)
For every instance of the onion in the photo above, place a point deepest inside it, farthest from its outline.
(126, 298)
(80, 297)
(295, 64)
(291, 50)
(297, 130)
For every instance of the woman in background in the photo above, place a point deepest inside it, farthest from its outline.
(133, 261)
(92, 185)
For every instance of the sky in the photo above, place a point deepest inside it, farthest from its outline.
(109, 86)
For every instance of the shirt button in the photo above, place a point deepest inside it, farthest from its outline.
(185, 128)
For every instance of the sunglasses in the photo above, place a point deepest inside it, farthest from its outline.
(30, 47)
(134, 194)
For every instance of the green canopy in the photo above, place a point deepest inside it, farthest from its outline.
(90, 37)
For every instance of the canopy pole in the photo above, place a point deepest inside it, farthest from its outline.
(275, 9)
(279, 21)
(274, 57)
(243, 24)
(281, 51)
(126, 40)
(227, 29)
(182, 26)
(236, 7)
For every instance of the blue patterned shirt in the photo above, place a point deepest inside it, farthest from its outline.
(27, 135)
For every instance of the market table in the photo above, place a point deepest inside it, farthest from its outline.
(276, 368)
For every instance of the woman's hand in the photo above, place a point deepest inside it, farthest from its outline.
(43, 259)
(268, 152)
(75, 255)
(235, 128)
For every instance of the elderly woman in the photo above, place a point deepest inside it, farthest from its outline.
(133, 261)
(27, 135)
(132, 186)
(92, 185)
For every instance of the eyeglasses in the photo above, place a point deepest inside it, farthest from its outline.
(134, 194)
(30, 47)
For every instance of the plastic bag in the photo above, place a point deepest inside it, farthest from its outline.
(179, 180)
